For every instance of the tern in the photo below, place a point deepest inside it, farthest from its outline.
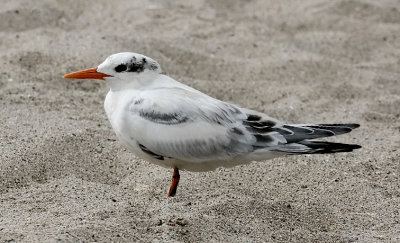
(173, 125)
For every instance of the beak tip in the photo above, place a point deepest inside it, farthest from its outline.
(69, 76)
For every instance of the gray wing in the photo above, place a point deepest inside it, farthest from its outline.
(191, 126)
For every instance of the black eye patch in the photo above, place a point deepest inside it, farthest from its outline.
(135, 67)
(120, 68)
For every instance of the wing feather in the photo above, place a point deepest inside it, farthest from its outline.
(190, 126)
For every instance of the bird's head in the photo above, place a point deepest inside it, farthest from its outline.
(122, 70)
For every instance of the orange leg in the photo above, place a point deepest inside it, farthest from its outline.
(175, 181)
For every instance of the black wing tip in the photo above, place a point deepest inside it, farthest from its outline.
(320, 147)
(347, 125)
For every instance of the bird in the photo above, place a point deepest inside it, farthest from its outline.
(176, 126)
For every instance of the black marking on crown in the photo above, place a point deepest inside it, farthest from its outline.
(152, 154)
(163, 118)
(136, 65)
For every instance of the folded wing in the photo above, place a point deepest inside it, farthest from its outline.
(191, 126)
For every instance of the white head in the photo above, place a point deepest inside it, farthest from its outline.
(122, 71)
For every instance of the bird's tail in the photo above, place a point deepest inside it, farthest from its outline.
(319, 147)
(300, 132)
(299, 141)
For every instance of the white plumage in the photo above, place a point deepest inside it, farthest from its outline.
(176, 126)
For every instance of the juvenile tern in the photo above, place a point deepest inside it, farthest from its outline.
(173, 125)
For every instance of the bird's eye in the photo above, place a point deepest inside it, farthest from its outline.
(120, 68)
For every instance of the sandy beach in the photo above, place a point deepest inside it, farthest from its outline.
(65, 177)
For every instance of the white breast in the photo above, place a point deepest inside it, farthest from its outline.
(128, 130)
(116, 105)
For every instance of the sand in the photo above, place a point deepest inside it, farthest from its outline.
(64, 176)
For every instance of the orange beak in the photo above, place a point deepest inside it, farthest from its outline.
(87, 74)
